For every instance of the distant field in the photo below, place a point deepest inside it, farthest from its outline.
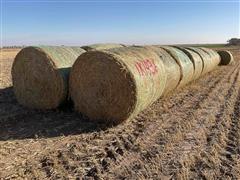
(207, 45)
(212, 45)
(8, 53)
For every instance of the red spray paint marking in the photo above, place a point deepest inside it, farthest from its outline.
(146, 67)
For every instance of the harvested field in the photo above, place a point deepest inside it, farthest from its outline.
(192, 133)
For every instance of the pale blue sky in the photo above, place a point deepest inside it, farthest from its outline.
(57, 22)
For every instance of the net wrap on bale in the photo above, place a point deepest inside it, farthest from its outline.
(186, 65)
(206, 59)
(114, 85)
(40, 75)
(215, 58)
(171, 66)
(209, 57)
(196, 60)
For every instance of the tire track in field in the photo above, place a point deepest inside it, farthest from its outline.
(195, 139)
(232, 148)
(211, 134)
(150, 137)
(213, 155)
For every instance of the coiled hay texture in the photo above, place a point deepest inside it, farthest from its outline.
(226, 57)
(40, 75)
(115, 85)
(171, 66)
(186, 65)
(101, 46)
(196, 60)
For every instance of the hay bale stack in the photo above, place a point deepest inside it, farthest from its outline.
(186, 65)
(206, 59)
(114, 85)
(226, 57)
(196, 60)
(40, 75)
(171, 66)
(210, 58)
(215, 57)
(101, 46)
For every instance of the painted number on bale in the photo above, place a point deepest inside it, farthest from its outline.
(146, 67)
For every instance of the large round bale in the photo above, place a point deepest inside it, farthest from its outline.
(101, 46)
(115, 85)
(186, 65)
(40, 75)
(206, 59)
(215, 58)
(171, 66)
(196, 60)
(226, 57)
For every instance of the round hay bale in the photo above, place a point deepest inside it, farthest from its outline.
(196, 60)
(115, 85)
(186, 65)
(171, 66)
(226, 57)
(215, 58)
(206, 59)
(101, 46)
(40, 75)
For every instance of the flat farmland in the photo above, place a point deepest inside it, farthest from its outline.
(193, 133)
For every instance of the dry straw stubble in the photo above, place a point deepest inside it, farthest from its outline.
(115, 85)
(40, 75)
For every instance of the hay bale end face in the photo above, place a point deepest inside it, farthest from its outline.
(40, 75)
(101, 46)
(226, 57)
(115, 85)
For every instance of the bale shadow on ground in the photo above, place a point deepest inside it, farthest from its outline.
(18, 122)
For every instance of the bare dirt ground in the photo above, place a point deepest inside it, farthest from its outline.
(193, 133)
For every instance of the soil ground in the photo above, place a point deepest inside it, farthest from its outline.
(193, 133)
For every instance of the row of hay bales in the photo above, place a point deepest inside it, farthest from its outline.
(40, 74)
(109, 82)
